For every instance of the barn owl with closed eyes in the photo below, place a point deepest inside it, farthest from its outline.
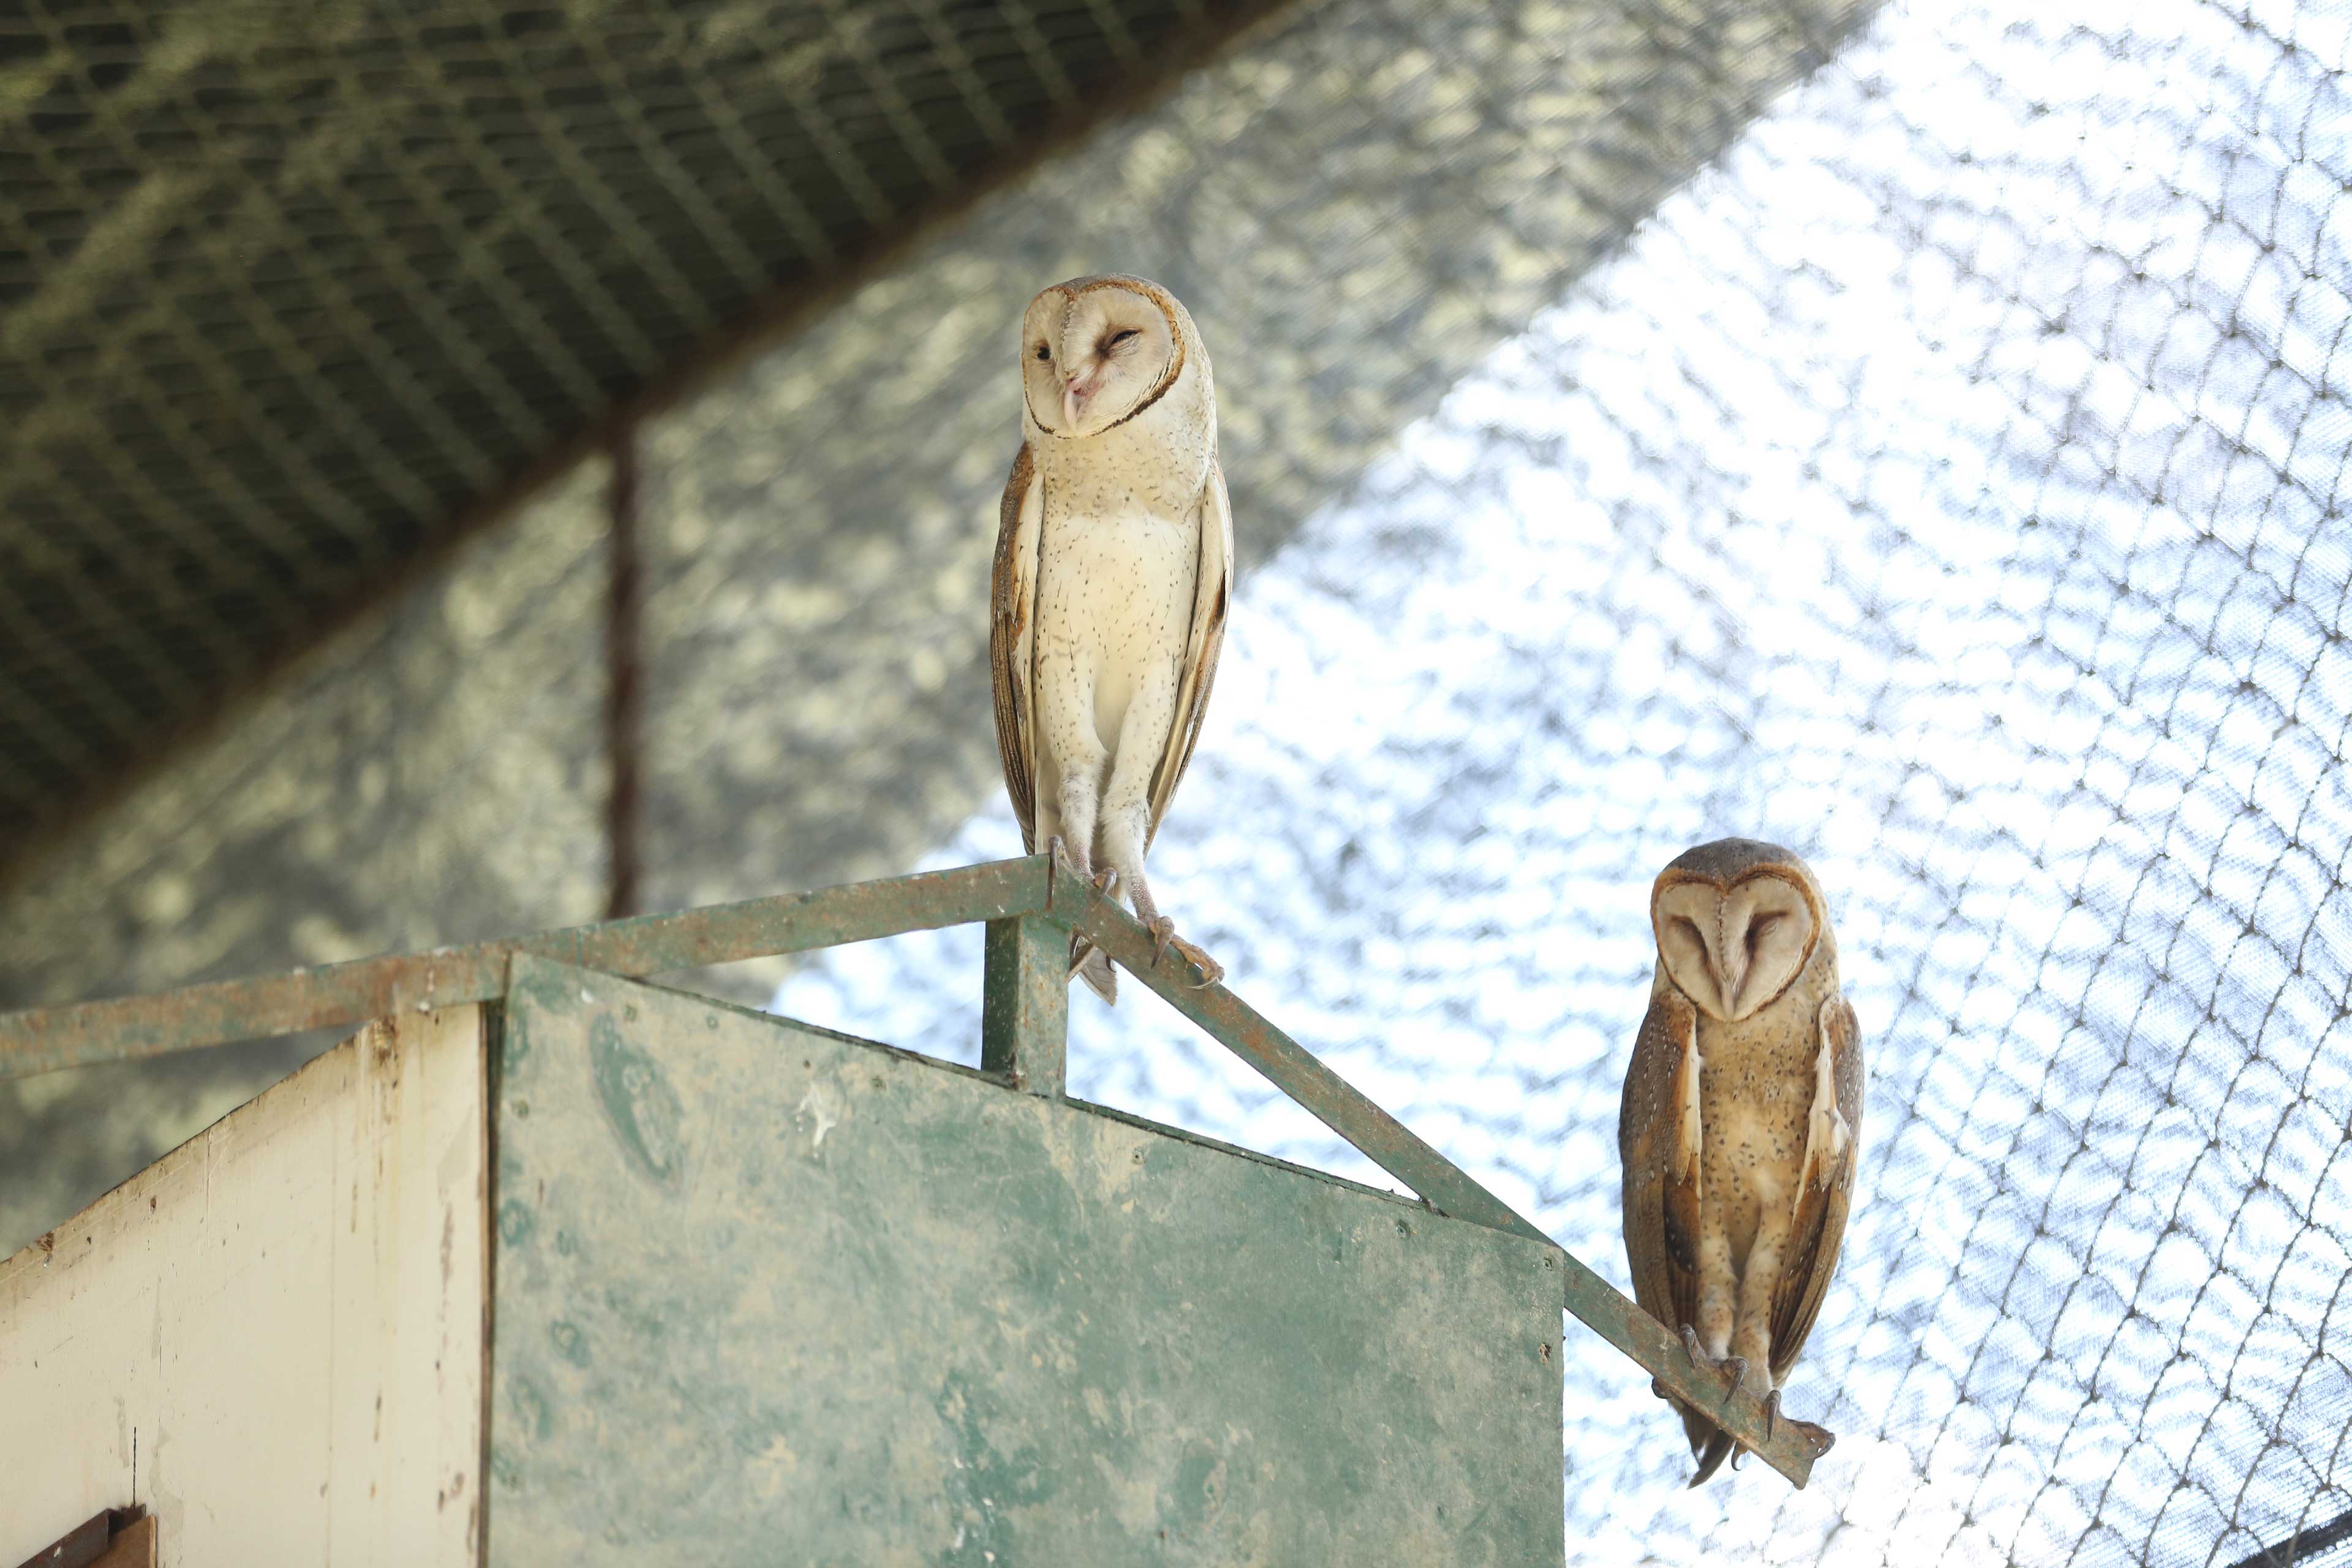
(1114, 569)
(1741, 1122)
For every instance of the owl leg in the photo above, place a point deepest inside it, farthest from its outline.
(1127, 817)
(1718, 1281)
(1117, 841)
(1753, 1338)
(1065, 703)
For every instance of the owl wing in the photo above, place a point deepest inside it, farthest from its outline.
(1012, 627)
(1658, 1139)
(1212, 591)
(1824, 1183)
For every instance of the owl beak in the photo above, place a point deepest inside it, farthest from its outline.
(1733, 966)
(1078, 389)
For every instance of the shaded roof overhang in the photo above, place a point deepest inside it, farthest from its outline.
(290, 296)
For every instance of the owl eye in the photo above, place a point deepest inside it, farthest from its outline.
(1119, 338)
(1756, 929)
(1044, 353)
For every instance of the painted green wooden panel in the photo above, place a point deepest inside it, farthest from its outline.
(765, 1294)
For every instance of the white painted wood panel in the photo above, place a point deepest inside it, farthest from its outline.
(272, 1336)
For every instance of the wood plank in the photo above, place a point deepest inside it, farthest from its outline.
(134, 1546)
(272, 1337)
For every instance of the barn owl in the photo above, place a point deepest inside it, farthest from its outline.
(1114, 567)
(1742, 1119)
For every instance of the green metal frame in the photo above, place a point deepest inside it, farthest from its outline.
(1031, 907)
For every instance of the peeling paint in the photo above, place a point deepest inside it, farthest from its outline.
(812, 1107)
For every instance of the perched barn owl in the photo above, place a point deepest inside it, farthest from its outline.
(1742, 1119)
(1114, 564)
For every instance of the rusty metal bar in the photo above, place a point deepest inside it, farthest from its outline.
(1242, 1030)
(1025, 1012)
(1599, 1306)
(131, 1027)
(1029, 913)
(1388, 1144)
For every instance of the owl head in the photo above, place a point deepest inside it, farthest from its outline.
(1736, 922)
(1096, 352)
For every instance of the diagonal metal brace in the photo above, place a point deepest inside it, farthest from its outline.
(1444, 1187)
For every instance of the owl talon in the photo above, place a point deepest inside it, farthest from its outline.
(1772, 1416)
(1164, 941)
(1211, 970)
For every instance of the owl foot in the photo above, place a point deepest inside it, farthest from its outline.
(1164, 939)
(1821, 1437)
(1736, 1366)
(1058, 854)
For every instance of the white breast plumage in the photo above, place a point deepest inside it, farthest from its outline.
(1114, 571)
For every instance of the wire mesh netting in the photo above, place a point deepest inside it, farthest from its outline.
(282, 290)
(1950, 486)
(1358, 205)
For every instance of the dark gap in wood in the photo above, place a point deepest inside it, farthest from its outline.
(118, 1538)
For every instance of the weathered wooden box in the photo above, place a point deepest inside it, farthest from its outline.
(604, 1272)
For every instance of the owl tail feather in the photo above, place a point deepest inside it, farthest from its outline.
(1711, 1455)
(1092, 964)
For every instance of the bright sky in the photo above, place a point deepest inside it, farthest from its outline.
(1946, 487)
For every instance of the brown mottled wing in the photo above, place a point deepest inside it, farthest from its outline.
(1658, 1144)
(1213, 592)
(1013, 601)
(1821, 1204)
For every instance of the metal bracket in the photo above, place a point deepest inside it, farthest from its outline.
(1025, 1011)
